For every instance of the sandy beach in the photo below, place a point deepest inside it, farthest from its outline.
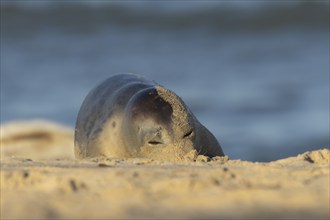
(40, 179)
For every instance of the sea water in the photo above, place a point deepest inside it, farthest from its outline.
(255, 74)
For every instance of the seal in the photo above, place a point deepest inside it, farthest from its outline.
(130, 116)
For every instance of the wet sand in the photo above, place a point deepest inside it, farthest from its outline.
(41, 179)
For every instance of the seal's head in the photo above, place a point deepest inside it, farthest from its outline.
(158, 124)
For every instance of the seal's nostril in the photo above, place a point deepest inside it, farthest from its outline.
(187, 134)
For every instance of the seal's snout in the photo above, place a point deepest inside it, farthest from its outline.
(148, 119)
(151, 134)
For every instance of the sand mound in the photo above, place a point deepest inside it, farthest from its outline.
(318, 157)
(36, 139)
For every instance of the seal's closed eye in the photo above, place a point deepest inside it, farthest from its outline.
(154, 142)
(188, 134)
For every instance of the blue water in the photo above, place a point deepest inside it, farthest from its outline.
(255, 74)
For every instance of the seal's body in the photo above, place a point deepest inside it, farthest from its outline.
(130, 116)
